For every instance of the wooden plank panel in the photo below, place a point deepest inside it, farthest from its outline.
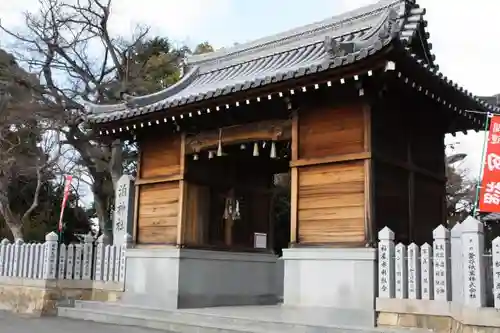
(158, 213)
(331, 131)
(331, 204)
(156, 234)
(161, 157)
(197, 214)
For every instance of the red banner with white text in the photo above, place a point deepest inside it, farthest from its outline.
(67, 187)
(489, 200)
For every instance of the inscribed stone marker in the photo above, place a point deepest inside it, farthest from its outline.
(474, 272)
(124, 208)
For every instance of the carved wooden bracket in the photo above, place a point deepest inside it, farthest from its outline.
(270, 130)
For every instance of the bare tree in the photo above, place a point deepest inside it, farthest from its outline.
(71, 48)
(28, 149)
(77, 58)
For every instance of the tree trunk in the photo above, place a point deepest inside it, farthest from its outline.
(102, 203)
(13, 222)
(15, 229)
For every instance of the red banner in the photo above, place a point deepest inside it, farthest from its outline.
(489, 200)
(67, 187)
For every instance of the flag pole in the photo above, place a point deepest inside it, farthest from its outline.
(481, 169)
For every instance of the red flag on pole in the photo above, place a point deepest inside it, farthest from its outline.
(67, 187)
(489, 200)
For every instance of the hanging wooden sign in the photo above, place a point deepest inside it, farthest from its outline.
(489, 200)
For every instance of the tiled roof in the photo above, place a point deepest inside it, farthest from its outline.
(493, 100)
(328, 44)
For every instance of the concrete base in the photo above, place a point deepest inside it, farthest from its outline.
(181, 278)
(336, 278)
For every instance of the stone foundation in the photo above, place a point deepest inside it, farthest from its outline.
(335, 278)
(41, 297)
(173, 278)
(440, 317)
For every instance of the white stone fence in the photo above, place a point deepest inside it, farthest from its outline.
(51, 260)
(454, 268)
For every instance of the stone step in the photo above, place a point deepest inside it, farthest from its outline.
(254, 317)
(145, 322)
(192, 320)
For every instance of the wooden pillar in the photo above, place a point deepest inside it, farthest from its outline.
(136, 198)
(294, 180)
(369, 207)
(181, 217)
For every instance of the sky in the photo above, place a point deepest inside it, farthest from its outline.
(465, 34)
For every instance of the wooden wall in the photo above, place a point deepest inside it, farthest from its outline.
(408, 167)
(330, 174)
(160, 190)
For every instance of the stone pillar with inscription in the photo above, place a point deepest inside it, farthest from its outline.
(124, 209)
(123, 259)
(474, 270)
(386, 283)
(442, 272)
(495, 253)
(457, 270)
(50, 256)
(88, 255)
(414, 291)
(401, 272)
(427, 272)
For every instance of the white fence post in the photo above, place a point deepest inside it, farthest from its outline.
(78, 262)
(106, 267)
(50, 256)
(474, 270)
(87, 257)
(116, 263)
(10, 259)
(112, 261)
(63, 253)
(22, 259)
(386, 263)
(98, 276)
(3, 257)
(427, 272)
(413, 272)
(32, 263)
(39, 260)
(70, 263)
(123, 259)
(17, 265)
(457, 269)
(495, 253)
(442, 277)
(401, 272)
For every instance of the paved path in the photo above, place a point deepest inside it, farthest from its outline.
(17, 324)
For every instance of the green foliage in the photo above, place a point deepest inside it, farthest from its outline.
(154, 64)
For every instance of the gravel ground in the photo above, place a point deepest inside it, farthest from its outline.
(10, 323)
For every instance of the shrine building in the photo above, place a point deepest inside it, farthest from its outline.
(347, 116)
